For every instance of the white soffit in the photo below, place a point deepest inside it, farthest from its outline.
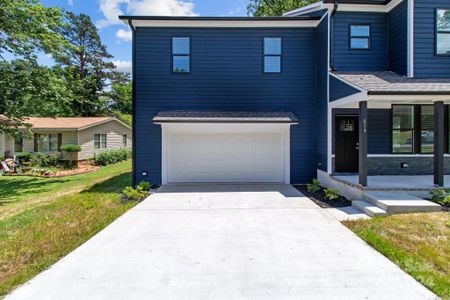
(225, 23)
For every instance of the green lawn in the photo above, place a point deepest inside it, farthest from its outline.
(20, 193)
(33, 239)
(418, 243)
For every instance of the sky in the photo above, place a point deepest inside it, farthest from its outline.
(117, 36)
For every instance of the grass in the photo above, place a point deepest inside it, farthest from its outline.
(417, 243)
(22, 192)
(34, 239)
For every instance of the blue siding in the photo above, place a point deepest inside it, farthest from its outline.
(398, 39)
(226, 75)
(322, 97)
(374, 59)
(339, 89)
(426, 64)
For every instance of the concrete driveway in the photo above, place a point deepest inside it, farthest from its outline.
(224, 242)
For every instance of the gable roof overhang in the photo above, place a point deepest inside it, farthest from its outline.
(381, 6)
(384, 88)
(221, 22)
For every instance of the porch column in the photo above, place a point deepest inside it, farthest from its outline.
(363, 143)
(439, 143)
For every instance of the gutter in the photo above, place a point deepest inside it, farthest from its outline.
(335, 8)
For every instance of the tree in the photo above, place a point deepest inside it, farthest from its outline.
(121, 97)
(87, 64)
(261, 8)
(27, 89)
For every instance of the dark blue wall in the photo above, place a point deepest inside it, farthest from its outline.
(378, 129)
(322, 96)
(226, 75)
(339, 89)
(426, 64)
(398, 38)
(374, 59)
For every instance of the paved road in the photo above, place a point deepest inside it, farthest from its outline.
(224, 242)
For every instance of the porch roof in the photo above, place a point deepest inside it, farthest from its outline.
(390, 83)
(193, 116)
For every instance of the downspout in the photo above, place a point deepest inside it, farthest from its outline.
(335, 8)
(133, 98)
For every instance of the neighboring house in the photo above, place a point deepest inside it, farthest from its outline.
(92, 134)
(349, 86)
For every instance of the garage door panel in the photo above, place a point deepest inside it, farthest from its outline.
(225, 157)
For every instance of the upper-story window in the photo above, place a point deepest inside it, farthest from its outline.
(360, 37)
(272, 55)
(443, 32)
(181, 54)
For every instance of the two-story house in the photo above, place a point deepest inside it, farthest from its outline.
(337, 87)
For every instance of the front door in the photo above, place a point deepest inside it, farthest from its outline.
(346, 160)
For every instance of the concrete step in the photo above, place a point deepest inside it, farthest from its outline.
(400, 202)
(369, 209)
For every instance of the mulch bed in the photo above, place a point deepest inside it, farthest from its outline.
(320, 199)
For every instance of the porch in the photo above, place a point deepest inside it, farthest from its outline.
(403, 145)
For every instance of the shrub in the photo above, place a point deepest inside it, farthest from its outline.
(108, 157)
(42, 160)
(313, 187)
(136, 194)
(441, 196)
(331, 194)
(24, 157)
(145, 186)
(70, 148)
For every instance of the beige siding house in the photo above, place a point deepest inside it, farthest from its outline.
(49, 134)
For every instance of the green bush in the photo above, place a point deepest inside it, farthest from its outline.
(71, 148)
(112, 156)
(42, 160)
(136, 194)
(145, 186)
(24, 157)
(441, 196)
(331, 194)
(313, 187)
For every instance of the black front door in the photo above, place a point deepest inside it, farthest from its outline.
(346, 160)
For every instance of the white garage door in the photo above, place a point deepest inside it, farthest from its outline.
(221, 156)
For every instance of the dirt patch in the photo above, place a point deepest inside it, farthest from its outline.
(320, 199)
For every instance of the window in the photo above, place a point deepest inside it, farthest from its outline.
(443, 32)
(426, 129)
(125, 140)
(43, 145)
(272, 55)
(100, 141)
(18, 143)
(181, 51)
(402, 129)
(53, 142)
(359, 37)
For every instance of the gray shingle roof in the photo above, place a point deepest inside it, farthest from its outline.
(225, 116)
(391, 83)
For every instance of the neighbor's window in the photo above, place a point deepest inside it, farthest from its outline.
(53, 142)
(18, 143)
(181, 54)
(426, 129)
(359, 37)
(43, 143)
(100, 141)
(402, 128)
(272, 55)
(443, 31)
(125, 140)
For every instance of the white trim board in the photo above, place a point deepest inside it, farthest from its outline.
(225, 23)
(410, 39)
